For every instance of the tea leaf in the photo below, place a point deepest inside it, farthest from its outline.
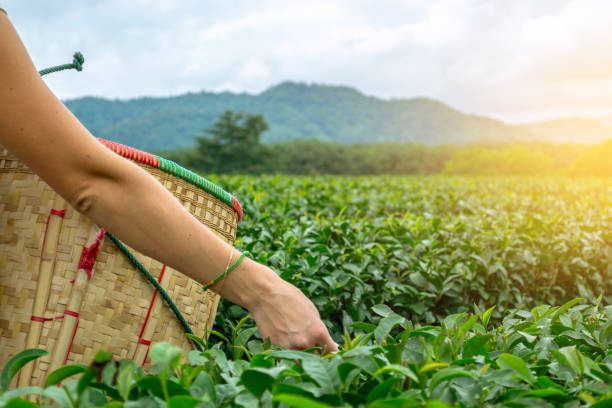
(64, 372)
(16, 362)
(518, 365)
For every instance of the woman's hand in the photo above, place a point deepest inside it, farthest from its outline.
(281, 311)
(290, 320)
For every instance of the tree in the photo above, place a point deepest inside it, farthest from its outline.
(234, 144)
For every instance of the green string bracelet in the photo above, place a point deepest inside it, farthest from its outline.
(227, 271)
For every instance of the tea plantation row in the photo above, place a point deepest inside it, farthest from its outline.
(428, 246)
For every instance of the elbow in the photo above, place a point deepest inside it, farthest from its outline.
(93, 181)
(100, 190)
(97, 196)
(85, 198)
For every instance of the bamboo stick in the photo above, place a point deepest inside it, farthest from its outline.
(70, 321)
(43, 286)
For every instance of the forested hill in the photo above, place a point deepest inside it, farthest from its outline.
(293, 111)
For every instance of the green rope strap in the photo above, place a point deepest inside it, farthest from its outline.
(77, 63)
(155, 283)
(227, 271)
(193, 178)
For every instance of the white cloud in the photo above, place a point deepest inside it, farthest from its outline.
(515, 60)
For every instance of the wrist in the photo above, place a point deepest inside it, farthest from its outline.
(248, 283)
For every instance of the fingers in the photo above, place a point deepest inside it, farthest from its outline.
(317, 338)
(329, 345)
(325, 341)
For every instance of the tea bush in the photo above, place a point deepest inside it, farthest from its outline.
(543, 357)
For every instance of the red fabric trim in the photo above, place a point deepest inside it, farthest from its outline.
(146, 321)
(71, 313)
(42, 248)
(161, 275)
(59, 213)
(131, 153)
(76, 326)
(90, 253)
(146, 356)
(152, 160)
(237, 207)
(44, 319)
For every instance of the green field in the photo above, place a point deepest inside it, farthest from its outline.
(441, 292)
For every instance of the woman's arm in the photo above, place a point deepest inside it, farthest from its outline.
(130, 203)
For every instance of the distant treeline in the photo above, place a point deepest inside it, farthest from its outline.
(316, 157)
(233, 145)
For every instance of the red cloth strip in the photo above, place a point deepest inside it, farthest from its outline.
(237, 207)
(89, 254)
(59, 213)
(71, 313)
(154, 161)
(131, 153)
(161, 275)
(146, 321)
(76, 326)
(44, 319)
(42, 248)
(146, 356)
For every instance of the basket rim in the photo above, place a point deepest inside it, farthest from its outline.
(176, 170)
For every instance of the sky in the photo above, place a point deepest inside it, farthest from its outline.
(514, 60)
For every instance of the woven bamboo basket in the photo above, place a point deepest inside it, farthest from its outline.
(68, 289)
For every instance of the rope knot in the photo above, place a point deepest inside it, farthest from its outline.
(77, 63)
(78, 60)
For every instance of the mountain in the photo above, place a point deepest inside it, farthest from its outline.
(570, 130)
(293, 111)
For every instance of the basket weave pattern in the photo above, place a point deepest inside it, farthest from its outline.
(41, 245)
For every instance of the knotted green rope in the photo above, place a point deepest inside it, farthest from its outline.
(77, 63)
(155, 283)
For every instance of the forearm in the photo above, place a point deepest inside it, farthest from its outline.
(131, 204)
